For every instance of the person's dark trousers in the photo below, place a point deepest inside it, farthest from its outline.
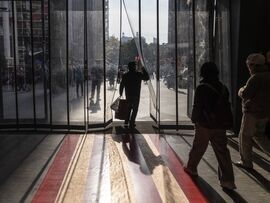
(79, 84)
(218, 141)
(20, 83)
(133, 110)
(98, 91)
(93, 88)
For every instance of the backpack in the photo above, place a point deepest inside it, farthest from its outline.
(221, 115)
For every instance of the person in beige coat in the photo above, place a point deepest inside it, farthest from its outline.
(255, 105)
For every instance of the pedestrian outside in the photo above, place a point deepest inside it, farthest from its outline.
(131, 82)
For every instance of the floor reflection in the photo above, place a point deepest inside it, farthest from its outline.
(137, 149)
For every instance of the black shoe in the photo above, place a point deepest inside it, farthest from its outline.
(190, 172)
(242, 165)
(228, 185)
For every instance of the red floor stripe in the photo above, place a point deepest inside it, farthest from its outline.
(50, 185)
(175, 164)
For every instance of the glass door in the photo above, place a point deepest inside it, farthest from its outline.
(24, 84)
(95, 58)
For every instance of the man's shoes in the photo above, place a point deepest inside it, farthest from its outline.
(228, 185)
(190, 172)
(243, 165)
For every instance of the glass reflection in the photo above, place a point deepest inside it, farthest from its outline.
(7, 68)
(24, 61)
(112, 54)
(149, 47)
(201, 34)
(167, 62)
(222, 42)
(58, 49)
(95, 61)
(76, 63)
(185, 59)
(76, 39)
(40, 69)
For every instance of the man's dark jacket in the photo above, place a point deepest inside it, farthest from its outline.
(205, 99)
(131, 81)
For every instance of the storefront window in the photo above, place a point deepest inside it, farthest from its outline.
(185, 65)
(167, 63)
(60, 60)
(222, 42)
(201, 35)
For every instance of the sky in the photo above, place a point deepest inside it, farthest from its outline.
(149, 19)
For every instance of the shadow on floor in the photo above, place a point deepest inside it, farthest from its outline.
(209, 192)
(137, 149)
(213, 196)
(235, 196)
(257, 177)
(257, 158)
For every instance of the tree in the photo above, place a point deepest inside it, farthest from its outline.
(112, 50)
(128, 51)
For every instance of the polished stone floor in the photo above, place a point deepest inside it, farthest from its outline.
(120, 165)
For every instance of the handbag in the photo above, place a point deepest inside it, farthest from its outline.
(115, 104)
(122, 112)
(120, 106)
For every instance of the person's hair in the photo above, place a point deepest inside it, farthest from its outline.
(266, 58)
(256, 59)
(209, 70)
(132, 65)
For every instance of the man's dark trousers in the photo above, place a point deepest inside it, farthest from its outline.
(133, 109)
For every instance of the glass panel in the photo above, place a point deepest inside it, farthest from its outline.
(130, 50)
(58, 49)
(131, 8)
(222, 42)
(46, 61)
(95, 61)
(39, 61)
(149, 47)
(201, 35)
(185, 59)
(76, 62)
(7, 81)
(112, 53)
(129, 45)
(167, 62)
(24, 61)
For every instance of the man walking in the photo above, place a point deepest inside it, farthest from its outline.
(97, 78)
(255, 106)
(131, 81)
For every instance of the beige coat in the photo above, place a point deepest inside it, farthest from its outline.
(256, 93)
